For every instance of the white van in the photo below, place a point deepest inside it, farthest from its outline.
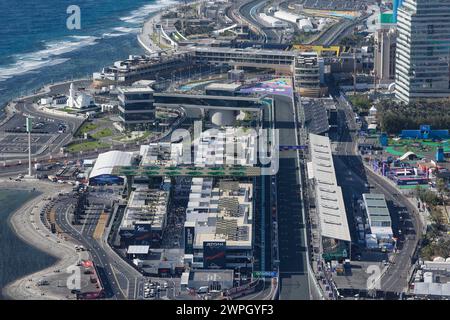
(203, 290)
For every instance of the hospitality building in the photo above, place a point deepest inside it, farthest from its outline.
(309, 74)
(218, 228)
(145, 215)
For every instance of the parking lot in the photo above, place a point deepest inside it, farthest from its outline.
(14, 138)
(40, 124)
(17, 143)
(156, 289)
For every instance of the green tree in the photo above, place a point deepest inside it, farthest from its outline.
(442, 189)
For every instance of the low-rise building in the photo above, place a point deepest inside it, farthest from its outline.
(102, 172)
(432, 279)
(379, 218)
(145, 216)
(79, 100)
(231, 146)
(272, 21)
(141, 67)
(214, 280)
(218, 226)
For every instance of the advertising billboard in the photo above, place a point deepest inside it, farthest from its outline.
(214, 254)
(142, 233)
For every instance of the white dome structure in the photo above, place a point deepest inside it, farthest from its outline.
(373, 111)
(222, 117)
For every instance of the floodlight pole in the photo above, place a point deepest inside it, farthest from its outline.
(29, 153)
(29, 126)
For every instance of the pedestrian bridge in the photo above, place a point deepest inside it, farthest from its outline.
(187, 170)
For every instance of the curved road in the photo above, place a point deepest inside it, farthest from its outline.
(354, 175)
(250, 11)
(120, 280)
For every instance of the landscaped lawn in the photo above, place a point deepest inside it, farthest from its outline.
(87, 127)
(103, 133)
(86, 146)
(143, 136)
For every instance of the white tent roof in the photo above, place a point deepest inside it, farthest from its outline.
(333, 217)
(108, 160)
(406, 155)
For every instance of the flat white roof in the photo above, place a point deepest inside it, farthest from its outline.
(378, 214)
(88, 162)
(330, 203)
(138, 249)
(376, 207)
(223, 86)
(386, 231)
(244, 51)
(136, 89)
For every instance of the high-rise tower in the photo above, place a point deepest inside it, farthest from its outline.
(423, 50)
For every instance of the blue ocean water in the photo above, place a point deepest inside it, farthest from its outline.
(36, 47)
(18, 258)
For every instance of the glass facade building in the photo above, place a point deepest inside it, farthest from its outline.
(422, 55)
(136, 109)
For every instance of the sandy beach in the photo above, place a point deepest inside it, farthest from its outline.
(27, 224)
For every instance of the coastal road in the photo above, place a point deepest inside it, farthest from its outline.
(26, 107)
(120, 280)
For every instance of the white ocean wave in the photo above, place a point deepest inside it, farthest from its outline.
(112, 35)
(138, 16)
(120, 31)
(27, 66)
(127, 30)
(32, 62)
(28, 62)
